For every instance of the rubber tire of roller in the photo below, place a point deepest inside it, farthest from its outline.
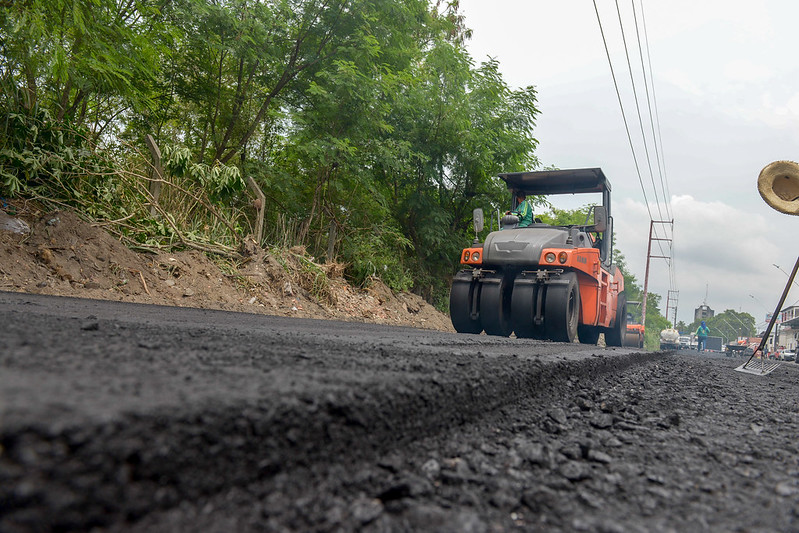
(460, 302)
(523, 302)
(615, 335)
(495, 308)
(562, 309)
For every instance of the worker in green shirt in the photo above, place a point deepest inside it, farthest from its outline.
(524, 210)
(702, 333)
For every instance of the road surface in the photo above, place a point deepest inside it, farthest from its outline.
(124, 417)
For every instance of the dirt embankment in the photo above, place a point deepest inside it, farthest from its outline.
(59, 254)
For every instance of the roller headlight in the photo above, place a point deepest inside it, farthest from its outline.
(466, 255)
(549, 257)
(563, 257)
(476, 256)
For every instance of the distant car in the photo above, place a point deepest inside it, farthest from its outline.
(789, 355)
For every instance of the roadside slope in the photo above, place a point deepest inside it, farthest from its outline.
(63, 255)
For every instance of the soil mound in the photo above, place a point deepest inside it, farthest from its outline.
(60, 254)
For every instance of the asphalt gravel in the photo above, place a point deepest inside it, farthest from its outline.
(124, 417)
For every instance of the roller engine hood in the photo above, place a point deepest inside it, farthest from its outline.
(522, 246)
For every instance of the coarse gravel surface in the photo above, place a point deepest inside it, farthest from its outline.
(128, 417)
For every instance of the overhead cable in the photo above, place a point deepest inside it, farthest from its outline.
(666, 198)
(638, 110)
(623, 115)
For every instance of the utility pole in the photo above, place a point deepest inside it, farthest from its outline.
(648, 257)
(671, 303)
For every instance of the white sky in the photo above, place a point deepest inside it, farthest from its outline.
(726, 83)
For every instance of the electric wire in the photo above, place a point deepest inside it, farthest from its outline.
(655, 102)
(657, 140)
(666, 199)
(638, 110)
(641, 124)
(623, 114)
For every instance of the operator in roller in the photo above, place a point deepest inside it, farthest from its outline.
(524, 210)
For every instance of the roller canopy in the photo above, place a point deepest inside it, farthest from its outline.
(580, 180)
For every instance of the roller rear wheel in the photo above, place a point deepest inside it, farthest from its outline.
(526, 299)
(634, 340)
(616, 334)
(495, 305)
(463, 297)
(562, 308)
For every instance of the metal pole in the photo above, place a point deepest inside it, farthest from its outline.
(676, 300)
(646, 276)
(668, 299)
(776, 313)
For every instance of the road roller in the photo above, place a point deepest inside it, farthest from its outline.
(635, 329)
(544, 281)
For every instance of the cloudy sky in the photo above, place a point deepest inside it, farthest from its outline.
(726, 87)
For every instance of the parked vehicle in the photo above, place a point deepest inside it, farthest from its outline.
(686, 343)
(670, 339)
(714, 344)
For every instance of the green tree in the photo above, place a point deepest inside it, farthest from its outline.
(463, 126)
(241, 65)
(339, 140)
(367, 124)
(85, 61)
(729, 325)
(68, 71)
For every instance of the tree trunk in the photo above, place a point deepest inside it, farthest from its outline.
(331, 241)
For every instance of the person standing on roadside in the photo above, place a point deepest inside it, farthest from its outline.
(701, 337)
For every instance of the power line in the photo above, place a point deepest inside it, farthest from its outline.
(623, 115)
(654, 124)
(652, 117)
(666, 198)
(638, 110)
(657, 139)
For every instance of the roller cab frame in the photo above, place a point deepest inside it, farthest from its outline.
(544, 281)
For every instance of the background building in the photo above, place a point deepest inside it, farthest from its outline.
(702, 312)
(789, 328)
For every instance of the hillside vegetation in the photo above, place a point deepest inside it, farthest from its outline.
(370, 130)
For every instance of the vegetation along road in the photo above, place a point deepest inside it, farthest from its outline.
(124, 417)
